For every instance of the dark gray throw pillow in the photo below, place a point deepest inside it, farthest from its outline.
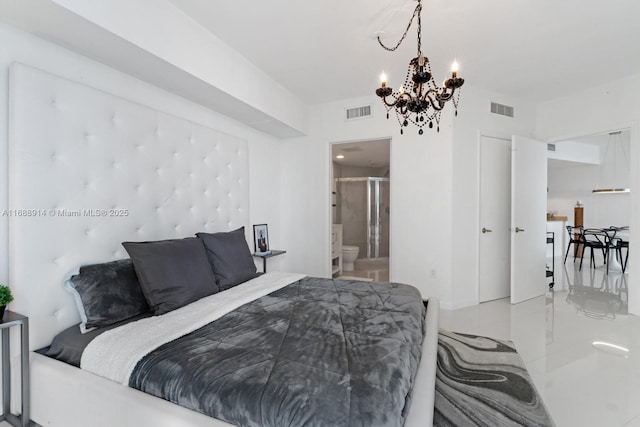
(172, 273)
(230, 257)
(107, 293)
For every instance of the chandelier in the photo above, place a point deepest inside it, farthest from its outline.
(612, 168)
(419, 100)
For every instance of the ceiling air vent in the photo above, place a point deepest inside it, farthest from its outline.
(503, 110)
(358, 112)
(551, 147)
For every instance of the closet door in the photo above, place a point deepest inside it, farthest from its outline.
(528, 218)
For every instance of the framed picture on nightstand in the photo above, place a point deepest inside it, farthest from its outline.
(261, 237)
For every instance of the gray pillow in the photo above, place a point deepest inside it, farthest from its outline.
(106, 294)
(172, 273)
(230, 257)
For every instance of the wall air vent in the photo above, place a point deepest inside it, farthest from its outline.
(551, 147)
(503, 110)
(358, 112)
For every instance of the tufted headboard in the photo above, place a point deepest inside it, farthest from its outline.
(88, 170)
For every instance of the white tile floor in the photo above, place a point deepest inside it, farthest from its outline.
(583, 384)
(376, 269)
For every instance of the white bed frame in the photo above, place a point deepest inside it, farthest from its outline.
(88, 170)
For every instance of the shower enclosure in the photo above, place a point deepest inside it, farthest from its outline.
(363, 210)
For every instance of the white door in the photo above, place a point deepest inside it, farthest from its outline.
(528, 218)
(495, 218)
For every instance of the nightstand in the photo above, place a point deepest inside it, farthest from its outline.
(273, 253)
(10, 320)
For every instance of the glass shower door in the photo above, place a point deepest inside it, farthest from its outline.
(363, 210)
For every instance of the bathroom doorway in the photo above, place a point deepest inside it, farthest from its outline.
(361, 209)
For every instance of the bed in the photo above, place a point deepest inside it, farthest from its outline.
(99, 170)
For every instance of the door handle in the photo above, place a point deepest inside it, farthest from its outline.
(486, 230)
(518, 229)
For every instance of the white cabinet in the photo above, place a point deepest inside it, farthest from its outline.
(336, 250)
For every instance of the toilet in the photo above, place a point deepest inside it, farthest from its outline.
(349, 255)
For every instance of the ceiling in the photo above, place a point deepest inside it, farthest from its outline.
(607, 141)
(373, 154)
(534, 49)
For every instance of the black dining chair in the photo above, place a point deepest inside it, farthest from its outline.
(619, 244)
(594, 238)
(575, 238)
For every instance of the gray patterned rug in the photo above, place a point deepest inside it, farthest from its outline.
(482, 381)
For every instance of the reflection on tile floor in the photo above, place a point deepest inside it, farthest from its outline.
(579, 344)
(376, 269)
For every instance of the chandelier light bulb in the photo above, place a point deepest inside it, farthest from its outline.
(383, 79)
(401, 91)
(454, 69)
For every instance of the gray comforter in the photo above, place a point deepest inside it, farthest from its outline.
(318, 352)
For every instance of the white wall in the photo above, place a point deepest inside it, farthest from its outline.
(574, 151)
(263, 149)
(473, 117)
(612, 106)
(420, 194)
(434, 190)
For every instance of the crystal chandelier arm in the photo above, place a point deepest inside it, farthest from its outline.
(416, 12)
(387, 103)
(437, 103)
(439, 99)
(399, 101)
